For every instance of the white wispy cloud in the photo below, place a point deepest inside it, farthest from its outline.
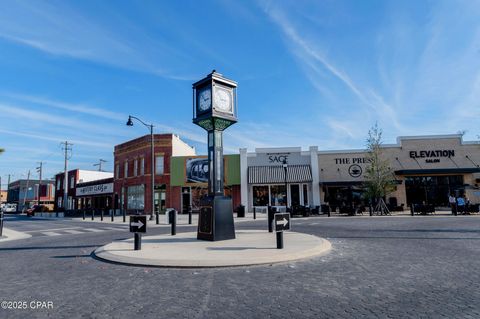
(58, 29)
(311, 57)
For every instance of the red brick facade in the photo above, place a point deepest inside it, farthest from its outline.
(135, 150)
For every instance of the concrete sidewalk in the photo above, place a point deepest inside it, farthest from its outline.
(251, 247)
(10, 235)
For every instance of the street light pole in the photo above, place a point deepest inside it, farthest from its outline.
(286, 188)
(152, 150)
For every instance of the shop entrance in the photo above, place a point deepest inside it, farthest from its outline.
(186, 199)
(159, 197)
(433, 190)
(294, 195)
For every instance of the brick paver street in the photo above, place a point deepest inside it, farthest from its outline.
(380, 267)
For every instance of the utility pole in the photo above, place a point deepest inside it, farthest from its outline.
(99, 164)
(39, 170)
(26, 192)
(66, 147)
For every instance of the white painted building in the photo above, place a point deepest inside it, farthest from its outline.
(266, 181)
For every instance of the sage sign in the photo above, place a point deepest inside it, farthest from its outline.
(95, 189)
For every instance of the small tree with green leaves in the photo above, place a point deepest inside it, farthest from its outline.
(379, 180)
(1, 150)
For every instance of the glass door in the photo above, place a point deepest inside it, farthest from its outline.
(294, 195)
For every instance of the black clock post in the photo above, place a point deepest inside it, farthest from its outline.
(214, 109)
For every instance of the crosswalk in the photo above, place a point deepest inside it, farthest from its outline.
(73, 231)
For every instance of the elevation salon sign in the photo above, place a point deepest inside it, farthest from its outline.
(432, 156)
(95, 189)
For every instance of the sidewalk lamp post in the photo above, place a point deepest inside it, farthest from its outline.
(285, 166)
(150, 126)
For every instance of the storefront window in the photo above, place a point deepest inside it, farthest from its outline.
(278, 195)
(136, 197)
(260, 195)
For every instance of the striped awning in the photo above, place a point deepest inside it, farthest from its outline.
(276, 174)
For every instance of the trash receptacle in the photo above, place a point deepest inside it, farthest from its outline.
(241, 211)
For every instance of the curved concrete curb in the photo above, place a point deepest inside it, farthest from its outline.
(13, 235)
(185, 251)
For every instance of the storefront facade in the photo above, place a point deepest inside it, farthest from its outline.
(95, 195)
(75, 177)
(426, 170)
(279, 176)
(133, 171)
(189, 180)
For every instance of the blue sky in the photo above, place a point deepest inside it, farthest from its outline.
(309, 73)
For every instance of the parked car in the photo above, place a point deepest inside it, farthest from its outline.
(10, 208)
(36, 209)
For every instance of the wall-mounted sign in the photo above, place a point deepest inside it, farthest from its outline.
(95, 189)
(355, 170)
(432, 156)
(352, 160)
(197, 170)
(278, 158)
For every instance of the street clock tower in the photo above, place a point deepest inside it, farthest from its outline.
(215, 109)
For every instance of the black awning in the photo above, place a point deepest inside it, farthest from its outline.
(437, 171)
(276, 174)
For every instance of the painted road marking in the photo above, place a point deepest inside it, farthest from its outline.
(50, 233)
(95, 230)
(73, 231)
(47, 230)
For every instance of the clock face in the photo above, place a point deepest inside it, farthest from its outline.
(223, 99)
(204, 99)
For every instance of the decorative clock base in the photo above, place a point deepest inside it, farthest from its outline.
(215, 221)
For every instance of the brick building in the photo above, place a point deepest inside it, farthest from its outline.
(75, 177)
(28, 191)
(132, 182)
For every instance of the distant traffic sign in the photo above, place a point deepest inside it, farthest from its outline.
(282, 222)
(138, 224)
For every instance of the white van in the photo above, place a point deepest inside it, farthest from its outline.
(10, 208)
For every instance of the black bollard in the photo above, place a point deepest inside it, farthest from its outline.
(124, 212)
(101, 215)
(370, 209)
(455, 210)
(93, 214)
(174, 222)
(138, 241)
(270, 219)
(83, 213)
(328, 212)
(279, 239)
(412, 210)
(254, 212)
(157, 217)
(112, 216)
(189, 215)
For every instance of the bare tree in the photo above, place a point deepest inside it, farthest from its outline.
(2, 150)
(378, 174)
